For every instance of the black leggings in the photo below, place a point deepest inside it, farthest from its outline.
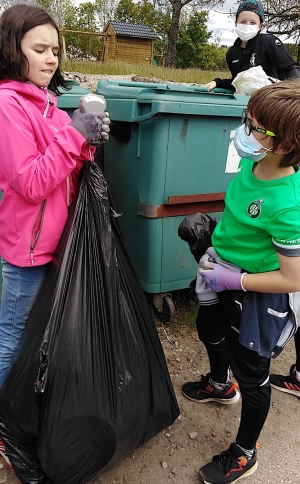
(218, 327)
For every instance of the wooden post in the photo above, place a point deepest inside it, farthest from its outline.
(64, 45)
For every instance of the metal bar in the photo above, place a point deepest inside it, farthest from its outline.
(199, 197)
(206, 203)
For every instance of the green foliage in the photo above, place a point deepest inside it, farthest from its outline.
(193, 49)
(79, 18)
(84, 20)
(125, 11)
(105, 10)
(292, 50)
(212, 57)
(86, 17)
(63, 11)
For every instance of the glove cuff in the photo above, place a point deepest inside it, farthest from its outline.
(242, 277)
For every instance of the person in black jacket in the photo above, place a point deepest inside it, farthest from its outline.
(252, 48)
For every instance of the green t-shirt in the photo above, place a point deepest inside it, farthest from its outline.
(261, 218)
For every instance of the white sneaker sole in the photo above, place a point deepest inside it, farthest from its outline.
(224, 401)
(286, 390)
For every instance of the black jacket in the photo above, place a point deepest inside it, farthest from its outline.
(264, 50)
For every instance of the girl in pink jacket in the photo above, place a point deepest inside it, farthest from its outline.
(41, 153)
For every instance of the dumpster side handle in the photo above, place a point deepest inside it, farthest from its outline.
(143, 117)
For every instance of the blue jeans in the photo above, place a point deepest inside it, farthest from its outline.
(20, 288)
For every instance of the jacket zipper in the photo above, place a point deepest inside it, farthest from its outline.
(38, 224)
(49, 101)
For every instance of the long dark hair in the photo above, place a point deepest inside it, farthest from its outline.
(14, 23)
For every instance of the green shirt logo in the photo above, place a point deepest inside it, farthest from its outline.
(254, 209)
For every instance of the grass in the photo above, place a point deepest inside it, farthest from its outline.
(186, 305)
(196, 76)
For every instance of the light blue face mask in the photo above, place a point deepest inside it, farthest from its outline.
(248, 146)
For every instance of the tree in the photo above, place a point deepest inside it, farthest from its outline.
(193, 35)
(3, 5)
(105, 10)
(157, 17)
(86, 17)
(59, 9)
(125, 11)
(177, 6)
(85, 20)
(193, 49)
(283, 18)
(63, 11)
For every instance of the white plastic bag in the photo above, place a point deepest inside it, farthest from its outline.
(249, 81)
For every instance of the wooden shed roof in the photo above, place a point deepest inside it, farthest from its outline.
(133, 30)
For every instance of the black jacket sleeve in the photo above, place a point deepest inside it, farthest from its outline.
(277, 55)
(226, 83)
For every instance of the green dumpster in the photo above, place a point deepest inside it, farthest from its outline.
(170, 154)
(69, 99)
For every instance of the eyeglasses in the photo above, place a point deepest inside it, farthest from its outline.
(250, 127)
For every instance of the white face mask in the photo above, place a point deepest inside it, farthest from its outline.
(248, 146)
(246, 32)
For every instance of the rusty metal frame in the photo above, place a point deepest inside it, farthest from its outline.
(184, 205)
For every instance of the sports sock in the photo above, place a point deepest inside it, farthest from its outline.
(219, 387)
(249, 452)
(297, 375)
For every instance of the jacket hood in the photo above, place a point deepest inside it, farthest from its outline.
(30, 92)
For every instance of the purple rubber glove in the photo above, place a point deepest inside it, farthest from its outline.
(219, 278)
(105, 129)
(90, 125)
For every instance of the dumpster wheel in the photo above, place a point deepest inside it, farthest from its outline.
(164, 308)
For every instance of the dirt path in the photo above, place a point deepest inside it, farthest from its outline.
(176, 454)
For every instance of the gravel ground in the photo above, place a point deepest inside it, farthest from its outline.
(203, 430)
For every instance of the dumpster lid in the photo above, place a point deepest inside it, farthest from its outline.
(138, 101)
(118, 89)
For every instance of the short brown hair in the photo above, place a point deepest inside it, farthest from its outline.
(277, 108)
(14, 23)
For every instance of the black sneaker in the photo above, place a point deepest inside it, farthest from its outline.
(230, 466)
(287, 384)
(201, 391)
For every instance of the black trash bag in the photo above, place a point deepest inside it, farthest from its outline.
(196, 230)
(19, 414)
(103, 387)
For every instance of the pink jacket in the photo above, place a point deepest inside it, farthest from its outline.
(40, 157)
